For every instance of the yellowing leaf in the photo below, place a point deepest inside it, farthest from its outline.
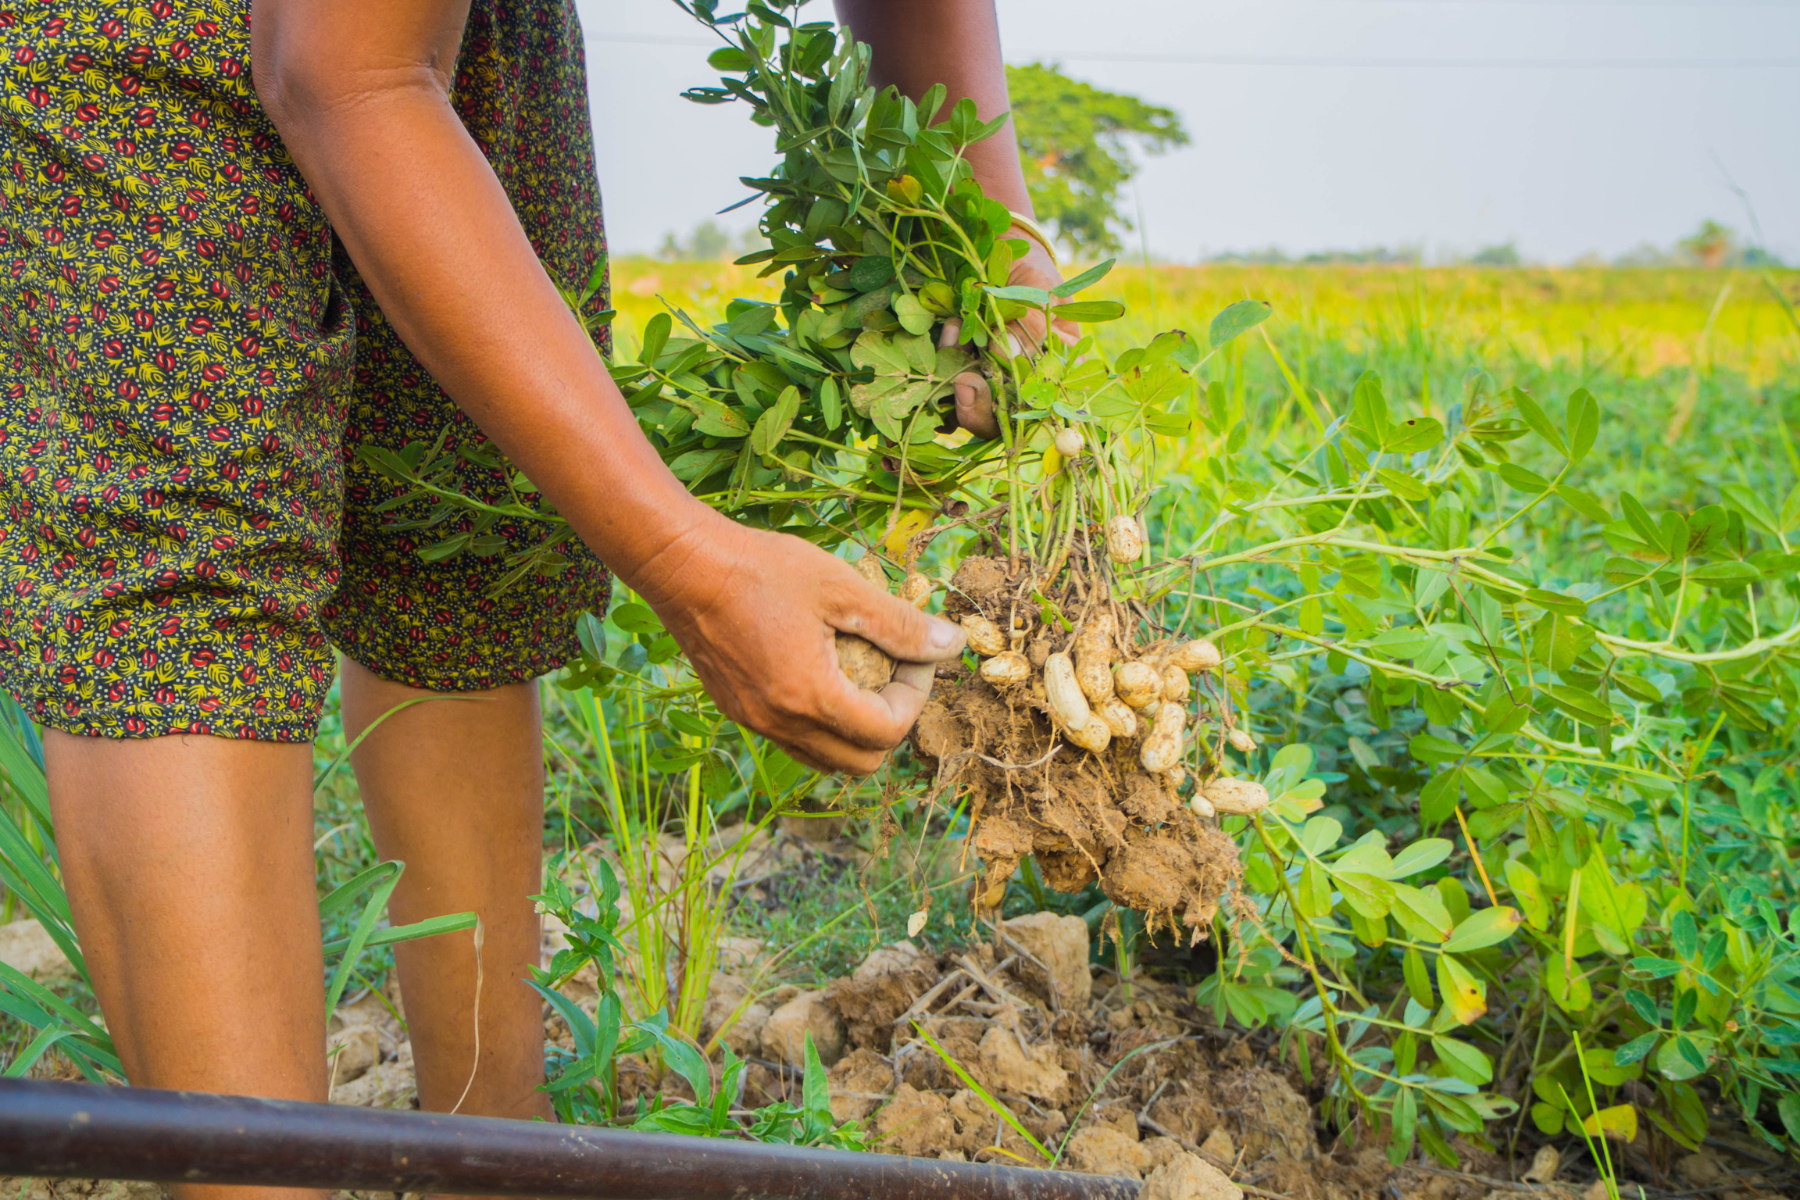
(1620, 1123)
(1488, 927)
(1463, 992)
(1528, 890)
(911, 522)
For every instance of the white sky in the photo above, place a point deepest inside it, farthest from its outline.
(1325, 123)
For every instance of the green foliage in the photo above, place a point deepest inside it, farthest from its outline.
(584, 1085)
(1564, 727)
(1073, 142)
(1522, 720)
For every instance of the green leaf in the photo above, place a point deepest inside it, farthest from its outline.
(1463, 1060)
(816, 1086)
(775, 422)
(1684, 934)
(1422, 855)
(1556, 602)
(1086, 279)
(1755, 511)
(1680, 1058)
(1488, 927)
(714, 419)
(1089, 311)
(1583, 423)
(1368, 895)
(1585, 503)
(656, 336)
(913, 316)
(1583, 706)
(1638, 517)
(1314, 896)
(1418, 979)
(1529, 892)
(1636, 1049)
(1418, 433)
(1533, 415)
(1789, 1109)
(1237, 318)
(1320, 834)
(1034, 296)
(1403, 485)
(1615, 910)
(1725, 574)
(1521, 478)
(1430, 748)
(1422, 912)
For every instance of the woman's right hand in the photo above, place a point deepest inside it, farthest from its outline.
(758, 614)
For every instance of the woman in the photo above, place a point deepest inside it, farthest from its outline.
(242, 238)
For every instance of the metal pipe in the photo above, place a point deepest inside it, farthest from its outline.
(74, 1130)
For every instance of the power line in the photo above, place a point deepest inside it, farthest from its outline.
(1300, 60)
(1304, 60)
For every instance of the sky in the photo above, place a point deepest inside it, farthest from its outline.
(1570, 127)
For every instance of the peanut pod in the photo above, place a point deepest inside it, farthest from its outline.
(985, 637)
(1241, 797)
(1094, 734)
(1119, 717)
(1174, 684)
(916, 589)
(864, 665)
(869, 567)
(1162, 749)
(1194, 656)
(1124, 540)
(1137, 684)
(1067, 704)
(1007, 669)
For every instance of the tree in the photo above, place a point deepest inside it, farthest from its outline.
(1712, 245)
(1074, 139)
(1501, 254)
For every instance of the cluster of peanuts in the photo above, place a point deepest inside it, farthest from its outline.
(1096, 700)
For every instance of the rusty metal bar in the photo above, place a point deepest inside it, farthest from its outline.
(83, 1131)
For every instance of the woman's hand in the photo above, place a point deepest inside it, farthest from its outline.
(974, 397)
(758, 614)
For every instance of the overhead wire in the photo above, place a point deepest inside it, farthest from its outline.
(1310, 60)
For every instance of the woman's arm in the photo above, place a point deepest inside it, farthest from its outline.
(956, 43)
(359, 93)
(917, 43)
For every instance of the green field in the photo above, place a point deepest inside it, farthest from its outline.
(1634, 890)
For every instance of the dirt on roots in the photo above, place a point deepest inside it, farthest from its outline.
(1082, 816)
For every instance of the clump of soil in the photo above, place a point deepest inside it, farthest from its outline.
(1022, 1018)
(1083, 816)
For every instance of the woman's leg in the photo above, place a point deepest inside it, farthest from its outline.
(189, 866)
(454, 788)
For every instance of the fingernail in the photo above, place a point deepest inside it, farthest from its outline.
(943, 634)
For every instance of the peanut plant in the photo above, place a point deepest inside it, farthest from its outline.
(1524, 840)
